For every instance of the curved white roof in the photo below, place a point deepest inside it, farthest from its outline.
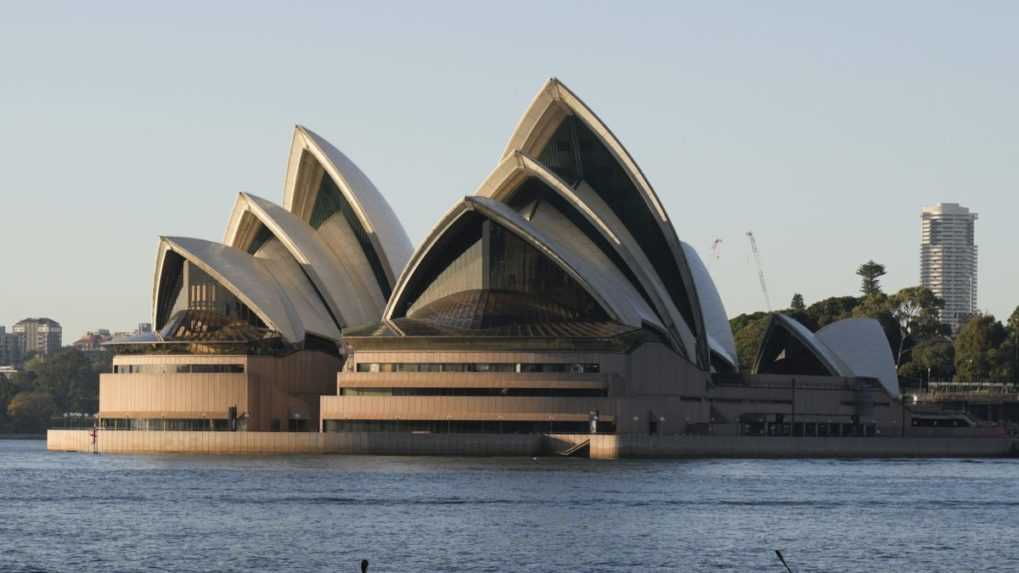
(549, 108)
(589, 267)
(820, 350)
(716, 320)
(506, 179)
(244, 276)
(349, 298)
(298, 289)
(374, 214)
(862, 345)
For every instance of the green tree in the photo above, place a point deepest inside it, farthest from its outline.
(935, 359)
(1013, 331)
(1004, 366)
(740, 321)
(30, 411)
(69, 376)
(748, 330)
(829, 310)
(977, 349)
(1013, 321)
(797, 303)
(803, 318)
(917, 311)
(19, 382)
(871, 273)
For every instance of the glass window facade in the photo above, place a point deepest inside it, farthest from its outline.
(464, 427)
(170, 287)
(518, 367)
(170, 424)
(785, 427)
(261, 237)
(178, 369)
(576, 154)
(783, 353)
(192, 305)
(534, 194)
(509, 392)
(514, 285)
(329, 201)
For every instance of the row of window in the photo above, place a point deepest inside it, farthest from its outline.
(178, 369)
(464, 427)
(198, 424)
(524, 392)
(518, 367)
(173, 424)
(922, 422)
(809, 429)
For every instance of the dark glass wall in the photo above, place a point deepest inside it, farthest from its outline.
(329, 200)
(783, 353)
(534, 194)
(191, 301)
(261, 237)
(576, 154)
(511, 264)
(514, 284)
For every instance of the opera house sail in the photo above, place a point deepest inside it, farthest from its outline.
(554, 309)
(248, 331)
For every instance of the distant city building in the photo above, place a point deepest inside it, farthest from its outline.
(10, 347)
(143, 328)
(948, 260)
(39, 335)
(93, 340)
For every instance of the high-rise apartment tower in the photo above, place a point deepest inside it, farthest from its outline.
(948, 260)
(39, 335)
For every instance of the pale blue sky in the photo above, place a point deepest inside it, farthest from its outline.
(823, 128)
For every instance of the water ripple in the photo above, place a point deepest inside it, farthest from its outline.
(189, 513)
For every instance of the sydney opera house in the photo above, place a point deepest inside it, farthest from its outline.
(248, 332)
(555, 301)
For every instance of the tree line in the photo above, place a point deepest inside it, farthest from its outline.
(984, 350)
(64, 382)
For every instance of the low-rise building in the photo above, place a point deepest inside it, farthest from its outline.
(93, 340)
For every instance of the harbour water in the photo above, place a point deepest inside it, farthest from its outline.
(79, 512)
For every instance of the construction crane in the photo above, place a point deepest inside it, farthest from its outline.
(760, 269)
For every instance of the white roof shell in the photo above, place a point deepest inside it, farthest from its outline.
(854, 347)
(862, 345)
(349, 298)
(824, 354)
(374, 214)
(716, 320)
(244, 276)
(554, 103)
(515, 168)
(590, 268)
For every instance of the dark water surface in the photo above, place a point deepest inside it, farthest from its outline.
(78, 512)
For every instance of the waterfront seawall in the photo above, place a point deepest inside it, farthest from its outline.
(120, 441)
(601, 446)
(641, 446)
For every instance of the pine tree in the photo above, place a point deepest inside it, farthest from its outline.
(871, 274)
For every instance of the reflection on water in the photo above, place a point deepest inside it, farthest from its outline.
(74, 512)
